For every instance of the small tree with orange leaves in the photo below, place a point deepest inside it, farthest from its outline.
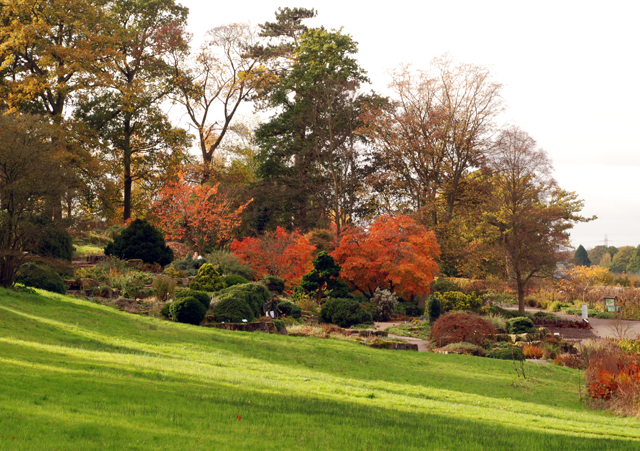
(198, 214)
(281, 254)
(395, 253)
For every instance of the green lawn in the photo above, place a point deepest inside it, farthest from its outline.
(83, 250)
(77, 375)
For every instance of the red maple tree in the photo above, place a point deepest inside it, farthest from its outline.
(281, 254)
(198, 214)
(395, 253)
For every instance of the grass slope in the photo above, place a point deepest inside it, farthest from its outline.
(77, 375)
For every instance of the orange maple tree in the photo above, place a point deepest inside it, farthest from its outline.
(198, 214)
(395, 253)
(279, 253)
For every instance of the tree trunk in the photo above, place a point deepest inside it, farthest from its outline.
(127, 172)
(520, 284)
(127, 187)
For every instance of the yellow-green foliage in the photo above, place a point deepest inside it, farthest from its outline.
(458, 301)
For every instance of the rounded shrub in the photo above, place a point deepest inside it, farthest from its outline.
(141, 241)
(208, 279)
(202, 296)
(344, 312)
(434, 308)
(234, 279)
(187, 310)
(520, 325)
(233, 310)
(290, 309)
(40, 276)
(457, 327)
(254, 295)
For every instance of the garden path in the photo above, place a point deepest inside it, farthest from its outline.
(423, 345)
(602, 328)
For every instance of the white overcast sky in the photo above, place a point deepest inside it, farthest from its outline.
(571, 71)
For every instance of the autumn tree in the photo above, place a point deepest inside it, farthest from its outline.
(437, 128)
(51, 53)
(197, 213)
(582, 257)
(582, 279)
(124, 109)
(621, 259)
(29, 173)
(395, 253)
(528, 213)
(279, 253)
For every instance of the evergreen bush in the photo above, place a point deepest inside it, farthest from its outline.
(208, 279)
(520, 325)
(434, 308)
(202, 296)
(458, 301)
(344, 312)
(141, 241)
(253, 295)
(234, 279)
(39, 276)
(233, 310)
(188, 310)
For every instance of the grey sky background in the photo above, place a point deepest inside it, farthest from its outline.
(570, 71)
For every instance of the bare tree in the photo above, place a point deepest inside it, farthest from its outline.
(213, 83)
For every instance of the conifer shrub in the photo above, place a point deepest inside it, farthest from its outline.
(141, 241)
(253, 295)
(202, 296)
(344, 312)
(434, 308)
(40, 276)
(234, 279)
(208, 279)
(187, 310)
(233, 310)
(456, 327)
(189, 266)
(520, 325)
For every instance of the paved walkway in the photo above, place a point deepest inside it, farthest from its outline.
(601, 328)
(423, 345)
